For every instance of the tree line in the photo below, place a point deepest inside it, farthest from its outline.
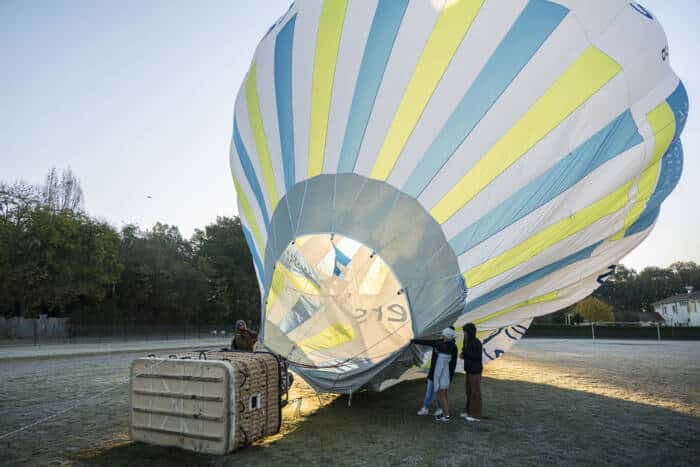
(56, 259)
(628, 295)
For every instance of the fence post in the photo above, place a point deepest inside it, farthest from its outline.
(658, 332)
(593, 331)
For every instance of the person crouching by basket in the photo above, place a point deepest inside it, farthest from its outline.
(443, 369)
(473, 366)
(244, 339)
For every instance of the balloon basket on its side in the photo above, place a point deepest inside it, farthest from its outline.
(207, 402)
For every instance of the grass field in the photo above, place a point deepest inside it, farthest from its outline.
(552, 402)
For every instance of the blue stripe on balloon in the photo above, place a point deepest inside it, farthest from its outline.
(249, 172)
(528, 33)
(301, 312)
(385, 27)
(615, 138)
(531, 277)
(256, 258)
(341, 257)
(678, 101)
(671, 164)
(492, 335)
(646, 219)
(671, 168)
(283, 92)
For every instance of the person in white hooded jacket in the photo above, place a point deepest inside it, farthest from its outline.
(446, 350)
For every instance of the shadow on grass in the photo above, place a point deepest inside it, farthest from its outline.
(526, 424)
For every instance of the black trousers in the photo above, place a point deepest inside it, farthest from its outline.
(473, 393)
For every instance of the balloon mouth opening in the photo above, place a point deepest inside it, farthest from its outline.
(335, 303)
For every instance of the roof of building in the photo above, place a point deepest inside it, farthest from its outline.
(681, 297)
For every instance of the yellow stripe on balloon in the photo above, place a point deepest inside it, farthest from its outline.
(449, 30)
(300, 241)
(275, 289)
(280, 277)
(549, 236)
(373, 282)
(327, 43)
(244, 205)
(256, 124)
(299, 283)
(579, 82)
(663, 124)
(330, 337)
(548, 297)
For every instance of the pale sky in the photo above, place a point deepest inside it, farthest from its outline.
(137, 98)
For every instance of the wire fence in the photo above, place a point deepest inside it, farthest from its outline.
(103, 333)
(615, 330)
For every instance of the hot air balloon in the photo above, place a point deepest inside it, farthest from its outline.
(401, 166)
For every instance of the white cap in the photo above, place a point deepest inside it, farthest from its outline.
(448, 333)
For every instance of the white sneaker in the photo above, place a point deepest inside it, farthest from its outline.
(423, 411)
(443, 418)
(464, 415)
(438, 412)
(472, 419)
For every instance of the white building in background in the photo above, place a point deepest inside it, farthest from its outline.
(680, 310)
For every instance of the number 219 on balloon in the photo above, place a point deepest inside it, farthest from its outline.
(393, 312)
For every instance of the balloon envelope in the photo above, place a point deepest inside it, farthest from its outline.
(402, 166)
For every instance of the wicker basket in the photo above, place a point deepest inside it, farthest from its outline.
(213, 402)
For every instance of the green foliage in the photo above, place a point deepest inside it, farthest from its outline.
(56, 259)
(160, 283)
(628, 290)
(222, 253)
(168, 279)
(631, 294)
(51, 260)
(593, 309)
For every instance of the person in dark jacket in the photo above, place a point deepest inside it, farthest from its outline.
(472, 352)
(244, 339)
(443, 369)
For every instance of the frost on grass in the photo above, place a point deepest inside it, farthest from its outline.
(555, 402)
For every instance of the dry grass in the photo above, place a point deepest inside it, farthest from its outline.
(547, 402)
